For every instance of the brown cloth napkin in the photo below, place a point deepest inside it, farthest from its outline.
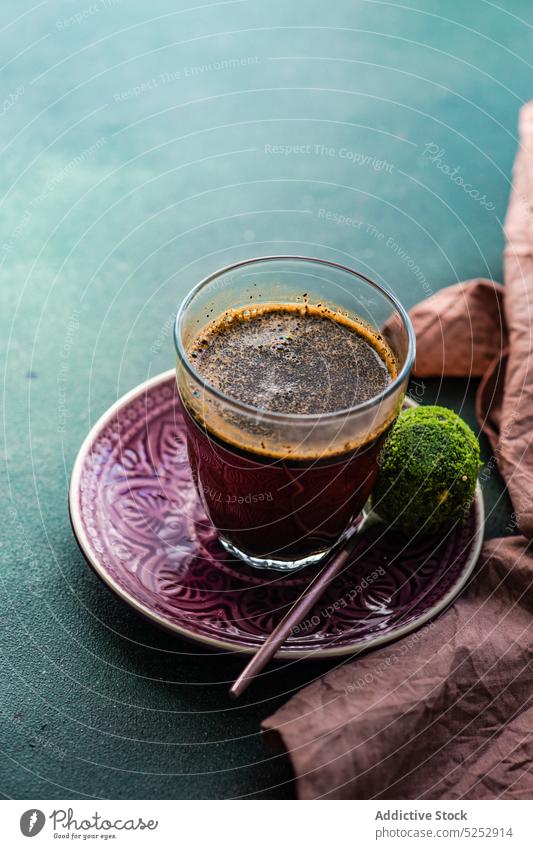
(447, 712)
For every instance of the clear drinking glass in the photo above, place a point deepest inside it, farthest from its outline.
(282, 489)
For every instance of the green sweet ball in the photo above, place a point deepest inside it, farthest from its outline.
(428, 471)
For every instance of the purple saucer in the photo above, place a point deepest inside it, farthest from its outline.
(139, 523)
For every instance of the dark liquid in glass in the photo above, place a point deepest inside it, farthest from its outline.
(286, 360)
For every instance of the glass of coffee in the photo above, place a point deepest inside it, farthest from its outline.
(290, 370)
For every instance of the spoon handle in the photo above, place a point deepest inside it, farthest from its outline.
(300, 608)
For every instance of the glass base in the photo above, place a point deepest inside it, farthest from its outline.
(271, 563)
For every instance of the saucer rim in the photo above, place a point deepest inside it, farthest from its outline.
(170, 627)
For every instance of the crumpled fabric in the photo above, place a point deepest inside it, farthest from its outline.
(447, 712)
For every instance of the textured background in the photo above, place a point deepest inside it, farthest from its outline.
(138, 154)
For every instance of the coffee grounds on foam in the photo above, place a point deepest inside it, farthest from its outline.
(293, 359)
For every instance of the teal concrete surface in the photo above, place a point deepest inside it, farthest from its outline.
(143, 146)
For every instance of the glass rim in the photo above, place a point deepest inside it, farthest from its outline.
(294, 417)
